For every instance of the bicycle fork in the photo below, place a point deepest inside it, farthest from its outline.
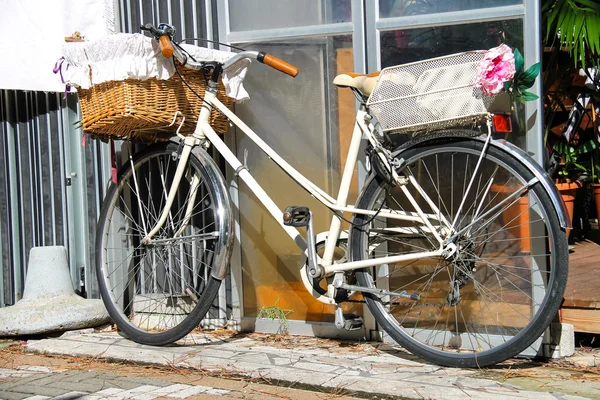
(188, 144)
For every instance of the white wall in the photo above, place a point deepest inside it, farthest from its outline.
(34, 31)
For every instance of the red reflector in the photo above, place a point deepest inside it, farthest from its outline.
(502, 123)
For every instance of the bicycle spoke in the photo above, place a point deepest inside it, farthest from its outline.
(157, 285)
(492, 287)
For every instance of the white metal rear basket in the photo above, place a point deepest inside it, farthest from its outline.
(433, 94)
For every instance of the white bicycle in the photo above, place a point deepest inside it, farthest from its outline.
(435, 245)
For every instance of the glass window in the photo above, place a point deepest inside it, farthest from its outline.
(246, 15)
(409, 45)
(307, 120)
(403, 8)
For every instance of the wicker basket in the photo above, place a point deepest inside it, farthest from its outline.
(142, 110)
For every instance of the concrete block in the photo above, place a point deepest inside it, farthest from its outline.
(49, 303)
(562, 339)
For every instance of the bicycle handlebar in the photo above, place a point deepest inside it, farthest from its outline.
(165, 32)
(165, 46)
(278, 64)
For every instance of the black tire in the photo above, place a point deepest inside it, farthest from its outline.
(158, 293)
(499, 292)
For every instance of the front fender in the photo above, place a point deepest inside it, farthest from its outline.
(224, 222)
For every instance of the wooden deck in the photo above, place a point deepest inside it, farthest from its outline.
(581, 306)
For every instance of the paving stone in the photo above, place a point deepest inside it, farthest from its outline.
(387, 373)
(191, 391)
(208, 362)
(22, 381)
(110, 391)
(130, 382)
(44, 380)
(79, 376)
(255, 358)
(170, 389)
(39, 390)
(217, 353)
(138, 393)
(283, 361)
(15, 373)
(70, 396)
(38, 398)
(316, 367)
(36, 368)
(4, 395)
(91, 386)
(103, 394)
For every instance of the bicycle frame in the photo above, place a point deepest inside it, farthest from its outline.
(205, 132)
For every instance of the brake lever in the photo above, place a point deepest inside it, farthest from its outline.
(162, 30)
(148, 27)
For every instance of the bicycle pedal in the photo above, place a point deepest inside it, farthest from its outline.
(353, 322)
(296, 216)
(349, 322)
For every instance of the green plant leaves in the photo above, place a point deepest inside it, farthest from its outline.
(572, 167)
(527, 79)
(528, 96)
(519, 61)
(586, 147)
(574, 24)
(522, 80)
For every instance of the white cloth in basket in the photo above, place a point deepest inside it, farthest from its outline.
(122, 56)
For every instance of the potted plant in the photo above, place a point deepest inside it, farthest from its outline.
(572, 40)
(573, 172)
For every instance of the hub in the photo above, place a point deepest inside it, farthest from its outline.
(461, 258)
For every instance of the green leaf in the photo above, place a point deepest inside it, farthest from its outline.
(528, 96)
(588, 5)
(561, 148)
(528, 77)
(586, 147)
(507, 85)
(519, 61)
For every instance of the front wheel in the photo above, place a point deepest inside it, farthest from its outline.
(158, 292)
(499, 291)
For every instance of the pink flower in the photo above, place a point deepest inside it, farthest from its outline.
(497, 67)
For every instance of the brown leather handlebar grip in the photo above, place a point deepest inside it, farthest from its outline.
(280, 65)
(166, 47)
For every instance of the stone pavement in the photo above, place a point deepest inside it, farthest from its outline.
(42, 383)
(364, 369)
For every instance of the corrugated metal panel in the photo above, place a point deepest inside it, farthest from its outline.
(192, 19)
(34, 210)
(51, 185)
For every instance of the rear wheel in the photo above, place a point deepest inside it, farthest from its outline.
(502, 287)
(157, 293)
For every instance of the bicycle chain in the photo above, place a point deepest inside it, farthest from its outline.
(388, 303)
